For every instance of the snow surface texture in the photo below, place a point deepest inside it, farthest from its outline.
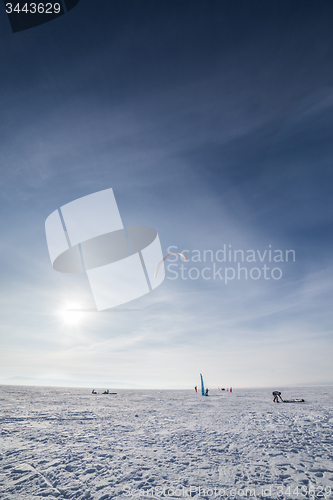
(68, 443)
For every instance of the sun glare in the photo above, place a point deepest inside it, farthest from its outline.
(72, 315)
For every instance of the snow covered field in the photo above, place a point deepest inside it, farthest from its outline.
(67, 443)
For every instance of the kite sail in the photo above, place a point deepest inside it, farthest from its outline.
(164, 258)
(202, 386)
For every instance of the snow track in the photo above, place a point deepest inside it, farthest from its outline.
(68, 443)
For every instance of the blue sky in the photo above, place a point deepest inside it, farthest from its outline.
(212, 122)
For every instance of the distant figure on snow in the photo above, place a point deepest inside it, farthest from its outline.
(206, 393)
(93, 391)
(196, 389)
(276, 395)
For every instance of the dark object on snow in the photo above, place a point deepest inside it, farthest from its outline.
(293, 401)
(206, 392)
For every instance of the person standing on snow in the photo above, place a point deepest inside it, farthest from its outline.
(276, 395)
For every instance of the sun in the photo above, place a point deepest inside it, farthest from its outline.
(72, 315)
